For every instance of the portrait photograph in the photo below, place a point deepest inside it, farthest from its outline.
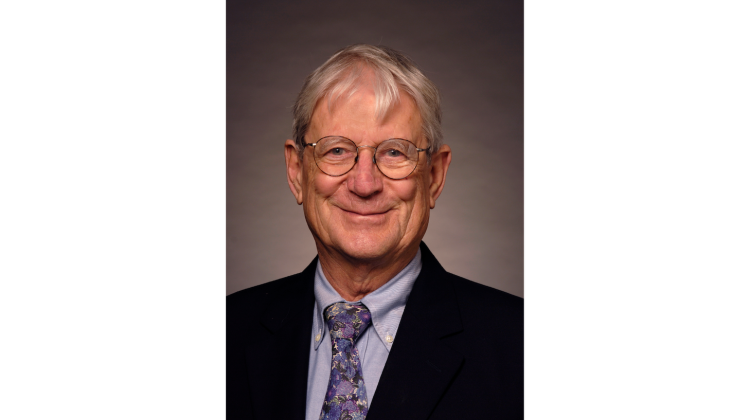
(375, 217)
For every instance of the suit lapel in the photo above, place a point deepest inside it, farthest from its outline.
(278, 366)
(420, 367)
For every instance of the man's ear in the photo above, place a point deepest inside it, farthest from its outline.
(438, 171)
(293, 169)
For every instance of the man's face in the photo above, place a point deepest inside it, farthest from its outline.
(364, 215)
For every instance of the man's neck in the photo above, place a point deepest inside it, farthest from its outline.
(353, 279)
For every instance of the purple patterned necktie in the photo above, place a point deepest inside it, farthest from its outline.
(346, 398)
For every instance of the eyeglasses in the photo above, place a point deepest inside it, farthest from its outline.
(395, 158)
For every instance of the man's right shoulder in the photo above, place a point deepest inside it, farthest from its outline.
(255, 299)
(246, 309)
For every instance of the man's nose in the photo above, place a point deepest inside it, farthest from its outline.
(365, 178)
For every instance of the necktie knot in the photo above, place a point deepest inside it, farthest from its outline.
(346, 320)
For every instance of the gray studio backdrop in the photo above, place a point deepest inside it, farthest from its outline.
(473, 51)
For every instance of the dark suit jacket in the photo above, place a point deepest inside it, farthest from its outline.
(458, 353)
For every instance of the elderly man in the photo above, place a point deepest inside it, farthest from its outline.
(373, 327)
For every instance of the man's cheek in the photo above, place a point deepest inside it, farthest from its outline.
(407, 191)
(326, 186)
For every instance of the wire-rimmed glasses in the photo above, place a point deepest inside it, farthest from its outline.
(336, 155)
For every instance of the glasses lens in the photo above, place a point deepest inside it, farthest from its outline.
(396, 158)
(335, 155)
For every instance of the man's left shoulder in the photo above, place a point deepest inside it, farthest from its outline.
(480, 302)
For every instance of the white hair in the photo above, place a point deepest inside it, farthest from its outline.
(393, 71)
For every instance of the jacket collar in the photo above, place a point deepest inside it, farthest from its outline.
(278, 365)
(418, 355)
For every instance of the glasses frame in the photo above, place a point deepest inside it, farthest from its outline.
(356, 159)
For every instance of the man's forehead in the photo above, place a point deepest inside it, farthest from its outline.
(356, 113)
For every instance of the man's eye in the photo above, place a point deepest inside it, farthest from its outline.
(393, 153)
(337, 151)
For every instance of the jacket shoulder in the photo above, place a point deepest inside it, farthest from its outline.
(254, 299)
(245, 308)
(478, 301)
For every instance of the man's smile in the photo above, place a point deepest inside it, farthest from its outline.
(365, 212)
(365, 215)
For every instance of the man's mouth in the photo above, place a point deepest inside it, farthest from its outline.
(363, 212)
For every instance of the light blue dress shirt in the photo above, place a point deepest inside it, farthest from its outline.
(386, 304)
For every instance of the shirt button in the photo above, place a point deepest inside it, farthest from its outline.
(388, 338)
(317, 337)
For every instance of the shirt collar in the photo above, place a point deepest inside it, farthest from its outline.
(386, 304)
